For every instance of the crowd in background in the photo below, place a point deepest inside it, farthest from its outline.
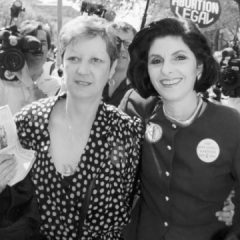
(128, 118)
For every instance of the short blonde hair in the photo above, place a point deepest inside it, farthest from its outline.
(88, 26)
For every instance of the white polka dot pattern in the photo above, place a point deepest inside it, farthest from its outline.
(109, 161)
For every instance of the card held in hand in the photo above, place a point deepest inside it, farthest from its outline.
(9, 144)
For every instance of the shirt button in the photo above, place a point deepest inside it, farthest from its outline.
(169, 147)
(174, 125)
(166, 224)
(167, 198)
(167, 173)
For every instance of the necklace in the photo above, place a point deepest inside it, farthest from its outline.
(112, 82)
(188, 121)
(69, 168)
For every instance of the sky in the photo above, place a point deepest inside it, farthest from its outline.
(132, 17)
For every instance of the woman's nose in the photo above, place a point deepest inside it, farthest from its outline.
(83, 67)
(167, 67)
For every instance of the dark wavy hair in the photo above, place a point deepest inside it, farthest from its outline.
(191, 36)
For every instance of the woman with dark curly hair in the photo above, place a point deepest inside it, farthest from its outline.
(191, 150)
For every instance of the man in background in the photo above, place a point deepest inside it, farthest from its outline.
(118, 85)
(36, 79)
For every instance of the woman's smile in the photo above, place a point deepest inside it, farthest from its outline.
(83, 82)
(170, 82)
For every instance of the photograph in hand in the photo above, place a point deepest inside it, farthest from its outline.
(3, 137)
(9, 144)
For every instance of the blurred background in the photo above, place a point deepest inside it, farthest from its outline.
(136, 12)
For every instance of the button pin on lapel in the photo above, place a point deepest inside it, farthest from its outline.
(153, 132)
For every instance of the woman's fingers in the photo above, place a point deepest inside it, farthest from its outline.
(226, 215)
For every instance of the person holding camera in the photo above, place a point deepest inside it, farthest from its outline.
(191, 150)
(229, 84)
(37, 78)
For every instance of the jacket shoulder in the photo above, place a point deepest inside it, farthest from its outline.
(135, 105)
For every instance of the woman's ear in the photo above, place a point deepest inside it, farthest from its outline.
(113, 67)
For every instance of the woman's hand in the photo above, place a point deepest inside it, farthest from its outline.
(7, 169)
(227, 213)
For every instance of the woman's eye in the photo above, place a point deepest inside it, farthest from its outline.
(155, 61)
(73, 59)
(97, 60)
(180, 57)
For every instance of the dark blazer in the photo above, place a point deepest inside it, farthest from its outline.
(186, 172)
(19, 218)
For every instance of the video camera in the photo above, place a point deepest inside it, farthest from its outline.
(13, 46)
(97, 9)
(230, 72)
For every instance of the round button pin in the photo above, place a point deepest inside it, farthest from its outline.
(208, 150)
(153, 132)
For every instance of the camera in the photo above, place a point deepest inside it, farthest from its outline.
(230, 73)
(13, 46)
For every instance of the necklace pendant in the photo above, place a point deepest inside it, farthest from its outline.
(67, 170)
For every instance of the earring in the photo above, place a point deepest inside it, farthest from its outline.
(111, 81)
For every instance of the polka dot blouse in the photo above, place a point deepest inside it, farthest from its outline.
(94, 202)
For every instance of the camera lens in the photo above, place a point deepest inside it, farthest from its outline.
(13, 60)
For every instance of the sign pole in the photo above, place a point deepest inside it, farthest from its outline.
(145, 15)
(59, 25)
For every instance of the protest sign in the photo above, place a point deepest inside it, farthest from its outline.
(202, 12)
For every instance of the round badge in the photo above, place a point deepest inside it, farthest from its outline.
(208, 150)
(153, 132)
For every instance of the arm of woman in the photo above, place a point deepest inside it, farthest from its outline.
(19, 216)
(235, 196)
